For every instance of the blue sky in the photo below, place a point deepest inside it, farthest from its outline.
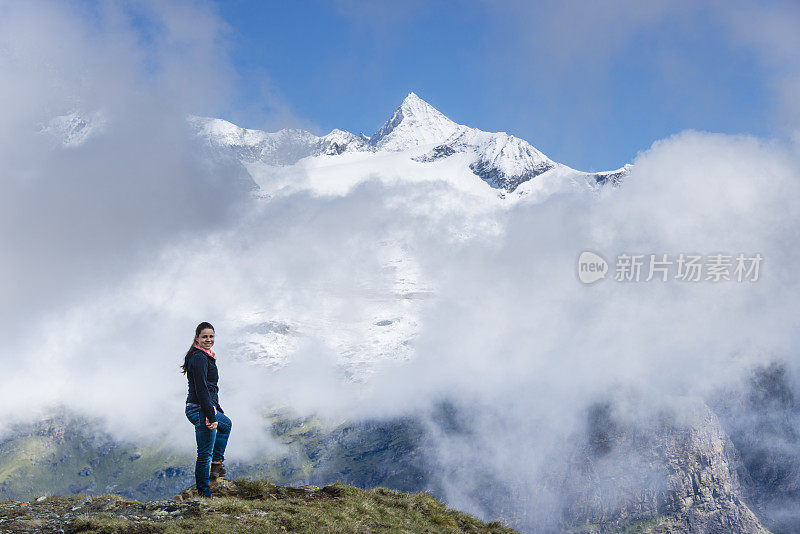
(589, 87)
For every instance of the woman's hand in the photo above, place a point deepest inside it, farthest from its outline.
(211, 426)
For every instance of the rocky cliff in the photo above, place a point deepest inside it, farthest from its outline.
(673, 476)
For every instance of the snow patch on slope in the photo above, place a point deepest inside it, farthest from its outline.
(75, 128)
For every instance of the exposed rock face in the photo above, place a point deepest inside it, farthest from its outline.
(674, 477)
(497, 178)
(501, 160)
(761, 420)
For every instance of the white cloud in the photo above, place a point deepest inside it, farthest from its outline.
(76, 220)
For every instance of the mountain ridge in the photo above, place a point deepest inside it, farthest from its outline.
(415, 128)
(501, 160)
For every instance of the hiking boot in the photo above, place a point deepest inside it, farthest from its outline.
(217, 470)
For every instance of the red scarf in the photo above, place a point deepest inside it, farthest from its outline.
(210, 353)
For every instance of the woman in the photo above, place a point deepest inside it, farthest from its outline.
(211, 426)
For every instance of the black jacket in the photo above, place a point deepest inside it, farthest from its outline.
(203, 377)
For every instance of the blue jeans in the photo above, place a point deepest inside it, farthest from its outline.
(210, 444)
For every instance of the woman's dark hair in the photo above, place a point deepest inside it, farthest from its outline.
(202, 326)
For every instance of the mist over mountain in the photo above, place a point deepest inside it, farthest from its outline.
(417, 288)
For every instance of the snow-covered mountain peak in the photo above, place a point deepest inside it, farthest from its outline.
(416, 132)
(412, 124)
(339, 141)
(501, 160)
(413, 104)
(283, 147)
(227, 133)
(75, 128)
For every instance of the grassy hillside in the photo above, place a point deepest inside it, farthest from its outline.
(247, 506)
(63, 455)
(69, 454)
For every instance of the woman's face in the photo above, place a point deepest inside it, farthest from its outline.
(206, 338)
